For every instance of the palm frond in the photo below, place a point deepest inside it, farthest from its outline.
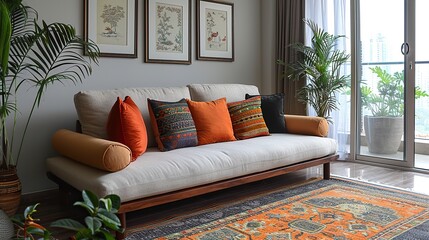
(55, 56)
(39, 55)
(22, 19)
(6, 31)
(7, 109)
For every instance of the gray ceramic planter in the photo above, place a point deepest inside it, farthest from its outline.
(383, 134)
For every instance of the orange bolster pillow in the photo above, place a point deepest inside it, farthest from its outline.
(307, 125)
(95, 152)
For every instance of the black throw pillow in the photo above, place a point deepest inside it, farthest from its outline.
(272, 111)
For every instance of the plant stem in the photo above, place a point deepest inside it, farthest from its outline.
(25, 130)
(4, 163)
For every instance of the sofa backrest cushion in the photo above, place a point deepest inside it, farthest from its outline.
(211, 92)
(93, 106)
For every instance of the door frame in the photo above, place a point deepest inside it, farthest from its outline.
(409, 71)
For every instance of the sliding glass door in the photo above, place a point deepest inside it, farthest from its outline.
(385, 81)
(422, 82)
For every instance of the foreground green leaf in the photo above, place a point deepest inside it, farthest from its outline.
(69, 224)
(93, 224)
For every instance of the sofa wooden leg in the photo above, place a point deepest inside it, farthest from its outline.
(68, 195)
(122, 217)
(64, 196)
(326, 171)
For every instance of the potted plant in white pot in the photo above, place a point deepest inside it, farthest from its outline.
(321, 64)
(385, 126)
(33, 55)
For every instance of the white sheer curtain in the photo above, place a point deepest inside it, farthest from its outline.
(333, 16)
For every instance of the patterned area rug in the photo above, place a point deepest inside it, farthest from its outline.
(320, 209)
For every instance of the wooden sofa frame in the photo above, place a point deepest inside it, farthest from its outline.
(67, 191)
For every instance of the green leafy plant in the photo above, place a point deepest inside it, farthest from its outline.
(321, 65)
(101, 220)
(388, 100)
(27, 226)
(34, 55)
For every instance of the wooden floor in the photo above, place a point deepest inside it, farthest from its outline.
(50, 209)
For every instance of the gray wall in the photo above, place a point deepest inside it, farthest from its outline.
(268, 14)
(57, 109)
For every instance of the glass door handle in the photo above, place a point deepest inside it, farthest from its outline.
(405, 48)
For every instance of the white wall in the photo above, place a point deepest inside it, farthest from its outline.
(57, 109)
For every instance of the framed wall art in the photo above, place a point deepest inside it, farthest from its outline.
(112, 25)
(168, 31)
(215, 31)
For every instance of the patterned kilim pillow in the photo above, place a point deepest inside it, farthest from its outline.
(247, 119)
(172, 124)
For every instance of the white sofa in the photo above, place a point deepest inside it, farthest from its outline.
(159, 177)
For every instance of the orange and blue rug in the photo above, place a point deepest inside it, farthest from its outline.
(321, 209)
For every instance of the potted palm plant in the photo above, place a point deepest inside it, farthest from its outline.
(385, 126)
(321, 65)
(32, 55)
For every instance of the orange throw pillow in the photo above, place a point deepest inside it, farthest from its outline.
(125, 125)
(212, 121)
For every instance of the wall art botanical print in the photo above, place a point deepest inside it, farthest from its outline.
(215, 30)
(112, 25)
(167, 28)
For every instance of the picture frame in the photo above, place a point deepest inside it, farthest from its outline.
(168, 31)
(215, 31)
(112, 25)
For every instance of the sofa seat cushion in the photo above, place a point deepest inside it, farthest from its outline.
(158, 172)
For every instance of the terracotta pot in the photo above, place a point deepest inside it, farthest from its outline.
(10, 191)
